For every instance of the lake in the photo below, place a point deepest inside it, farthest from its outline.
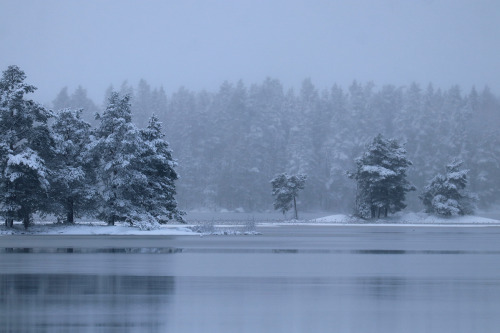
(289, 279)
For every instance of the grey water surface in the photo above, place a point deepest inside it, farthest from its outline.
(289, 279)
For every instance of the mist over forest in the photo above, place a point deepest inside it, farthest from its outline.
(232, 137)
(229, 143)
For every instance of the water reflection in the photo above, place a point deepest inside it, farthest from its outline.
(118, 303)
(172, 250)
(138, 250)
(84, 303)
(336, 280)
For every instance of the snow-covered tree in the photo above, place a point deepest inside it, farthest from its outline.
(142, 104)
(62, 101)
(115, 147)
(135, 171)
(446, 194)
(285, 190)
(381, 178)
(25, 144)
(72, 178)
(77, 100)
(157, 164)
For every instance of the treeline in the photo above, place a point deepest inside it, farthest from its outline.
(56, 163)
(230, 143)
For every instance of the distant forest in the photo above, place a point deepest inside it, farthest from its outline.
(230, 143)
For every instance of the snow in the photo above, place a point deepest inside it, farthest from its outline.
(406, 219)
(97, 229)
(375, 169)
(338, 218)
(28, 158)
(238, 227)
(433, 219)
(210, 228)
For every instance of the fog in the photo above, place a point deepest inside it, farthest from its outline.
(249, 89)
(199, 44)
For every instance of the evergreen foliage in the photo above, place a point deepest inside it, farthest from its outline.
(115, 172)
(285, 190)
(381, 178)
(446, 194)
(25, 144)
(135, 169)
(77, 100)
(73, 190)
(230, 142)
(157, 164)
(117, 145)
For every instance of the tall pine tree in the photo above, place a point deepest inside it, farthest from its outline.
(73, 187)
(25, 144)
(115, 147)
(157, 164)
(136, 171)
(381, 178)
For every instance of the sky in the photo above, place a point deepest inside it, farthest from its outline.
(201, 43)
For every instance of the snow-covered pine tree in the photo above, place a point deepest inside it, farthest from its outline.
(62, 100)
(142, 104)
(118, 142)
(285, 191)
(446, 194)
(25, 144)
(381, 178)
(157, 164)
(73, 187)
(136, 171)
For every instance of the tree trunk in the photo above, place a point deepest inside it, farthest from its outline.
(112, 201)
(70, 216)
(26, 220)
(9, 223)
(385, 211)
(295, 208)
(9, 220)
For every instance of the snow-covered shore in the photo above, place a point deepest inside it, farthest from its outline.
(407, 219)
(95, 229)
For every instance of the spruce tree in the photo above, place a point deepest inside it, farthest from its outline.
(73, 187)
(115, 147)
(446, 194)
(285, 191)
(381, 178)
(157, 164)
(25, 144)
(135, 169)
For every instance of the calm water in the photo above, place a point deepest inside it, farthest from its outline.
(290, 279)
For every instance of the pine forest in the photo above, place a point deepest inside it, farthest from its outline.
(231, 142)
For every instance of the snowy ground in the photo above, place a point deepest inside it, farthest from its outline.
(244, 224)
(406, 219)
(94, 229)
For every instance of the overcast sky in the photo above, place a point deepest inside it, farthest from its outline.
(201, 43)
